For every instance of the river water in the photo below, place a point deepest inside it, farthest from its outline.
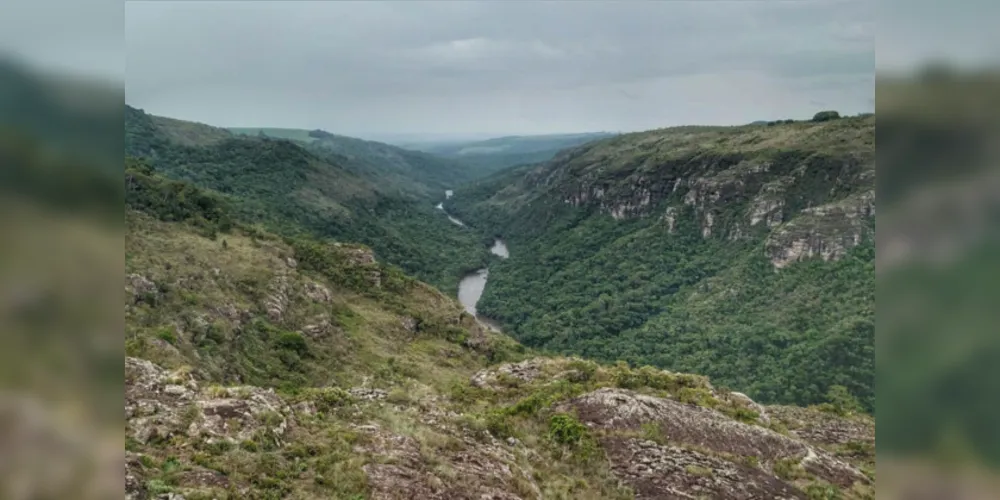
(470, 289)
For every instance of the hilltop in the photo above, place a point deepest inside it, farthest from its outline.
(742, 253)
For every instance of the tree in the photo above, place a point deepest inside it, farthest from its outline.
(825, 116)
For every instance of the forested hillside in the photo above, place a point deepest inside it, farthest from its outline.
(411, 173)
(290, 190)
(743, 253)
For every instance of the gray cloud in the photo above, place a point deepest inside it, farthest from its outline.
(497, 67)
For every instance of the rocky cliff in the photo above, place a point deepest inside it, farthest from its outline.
(810, 187)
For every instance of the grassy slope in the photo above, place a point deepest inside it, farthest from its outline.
(579, 281)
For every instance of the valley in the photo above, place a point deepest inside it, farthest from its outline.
(309, 319)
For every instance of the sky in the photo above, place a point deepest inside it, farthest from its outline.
(496, 68)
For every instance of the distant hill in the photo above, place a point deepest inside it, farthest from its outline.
(491, 155)
(413, 172)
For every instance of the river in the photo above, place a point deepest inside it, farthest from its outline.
(470, 289)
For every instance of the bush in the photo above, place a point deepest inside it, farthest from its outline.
(293, 341)
(328, 398)
(840, 401)
(167, 335)
(825, 116)
(566, 429)
(499, 425)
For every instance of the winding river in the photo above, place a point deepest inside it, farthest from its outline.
(470, 289)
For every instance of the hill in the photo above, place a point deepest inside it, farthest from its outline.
(413, 172)
(422, 173)
(291, 190)
(267, 367)
(495, 154)
(742, 253)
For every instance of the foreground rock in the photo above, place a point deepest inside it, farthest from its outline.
(702, 450)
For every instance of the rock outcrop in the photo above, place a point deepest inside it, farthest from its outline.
(708, 452)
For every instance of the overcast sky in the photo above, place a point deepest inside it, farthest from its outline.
(502, 67)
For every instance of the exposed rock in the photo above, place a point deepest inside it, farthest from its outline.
(766, 206)
(292, 263)
(656, 471)
(139, 287)
(238, 414)
(135, 486)
(157, 408)
(305, 408)
(826, 231)
(366, 394)
(317, 292)
(276, 301)
(317, 327)
(822, 428)
(409, 324)
(471, 471)
(234, 314)
(525, 371)
(619, 409)
(671, 217)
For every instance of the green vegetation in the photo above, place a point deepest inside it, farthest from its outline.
(294, 192)
(825, 116)
(654, 291)
(292, 134)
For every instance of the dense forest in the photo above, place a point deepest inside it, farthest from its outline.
(655, 290)
(282, 186)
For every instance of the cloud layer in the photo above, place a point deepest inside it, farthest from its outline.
(500, 67)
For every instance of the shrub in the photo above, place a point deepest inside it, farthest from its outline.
(841, 401)
(822, 491)
(293, 341)
(328, 398)
(167, 335)
(499, 424)
(566, 429)
(825, 116)
(583, 371)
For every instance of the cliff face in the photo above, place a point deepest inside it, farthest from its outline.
(809, 187)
